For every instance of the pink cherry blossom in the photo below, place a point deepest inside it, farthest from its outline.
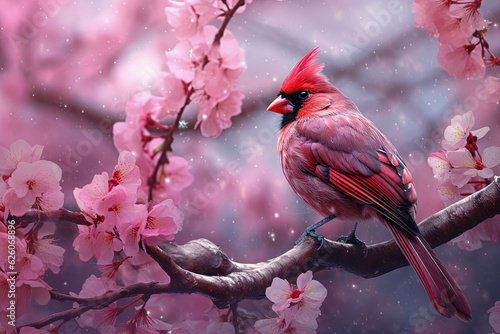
(457, 25)
(35, 184)
(456, 134)
(173, 178)
(488, 230)
(15, 205)
(3, 210)
(494, 318)
(84, 242)
(105, 245)
(304, 299)
(128, 136)
(285, 324)
(213, 80)
(182, 62)
(469, 240)
(448, 192)
(43, 247)
(91, 193)
(174, 93)
(4, 288)
(118, 206)
(35, 178)
(132, 134)
(440, 165)
(186, 58)
(215, 116)
(470, 19)
(32, 330)
(150, 270)
(218, 321)
(228, 53)
(20, 151)
(427, 12)
(94, 287)
(489, 91)
(29, 290)
(182, 17)
(104, 320)
(142, 322)
(163, 221)
(449, 29)
(30, 267)
(466, 166)
(126, 173)
(462, 62)
(131, 231)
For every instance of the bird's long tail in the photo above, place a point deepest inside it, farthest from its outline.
(444, 293)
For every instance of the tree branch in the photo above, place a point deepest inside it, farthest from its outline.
(238, 281)
(203, 268)
(61, 215)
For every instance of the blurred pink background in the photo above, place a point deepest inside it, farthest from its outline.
(67, 70)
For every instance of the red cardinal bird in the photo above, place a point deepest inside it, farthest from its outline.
(341, 164)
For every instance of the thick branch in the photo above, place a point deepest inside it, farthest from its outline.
(203, 268)
(61, 215)
(241, 281)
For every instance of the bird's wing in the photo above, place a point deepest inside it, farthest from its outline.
(350, 154)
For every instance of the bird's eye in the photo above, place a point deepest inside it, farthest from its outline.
(304, 94)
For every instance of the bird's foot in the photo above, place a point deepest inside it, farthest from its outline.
(352, 239)
(311, 231)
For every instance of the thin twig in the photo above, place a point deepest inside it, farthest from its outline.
(169, 137)
(235, 318)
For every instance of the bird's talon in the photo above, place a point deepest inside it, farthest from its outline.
(311, 233)
(352, 239)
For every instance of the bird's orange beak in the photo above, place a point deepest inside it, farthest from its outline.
(281, 106)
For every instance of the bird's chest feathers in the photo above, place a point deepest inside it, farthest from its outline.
(293, 159)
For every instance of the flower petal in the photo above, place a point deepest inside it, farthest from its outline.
(481, 132)
(491, 156)
(279, 290)
(461, 158)
(304, 279)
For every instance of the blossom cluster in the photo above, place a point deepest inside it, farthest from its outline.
(297, 306)
(26, 265)
(461, 169)
(211, 68)
(134, 136)
(118, 217)
(460, 29)
(26, 181)
(105, 320)
(203, 67)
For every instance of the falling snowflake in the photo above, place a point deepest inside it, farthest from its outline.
(183, 124)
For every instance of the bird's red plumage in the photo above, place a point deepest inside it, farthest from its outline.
(306, 74)
(341, 164)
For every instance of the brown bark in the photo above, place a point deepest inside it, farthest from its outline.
(201, 267)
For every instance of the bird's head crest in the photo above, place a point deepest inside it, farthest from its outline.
(306, 75)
